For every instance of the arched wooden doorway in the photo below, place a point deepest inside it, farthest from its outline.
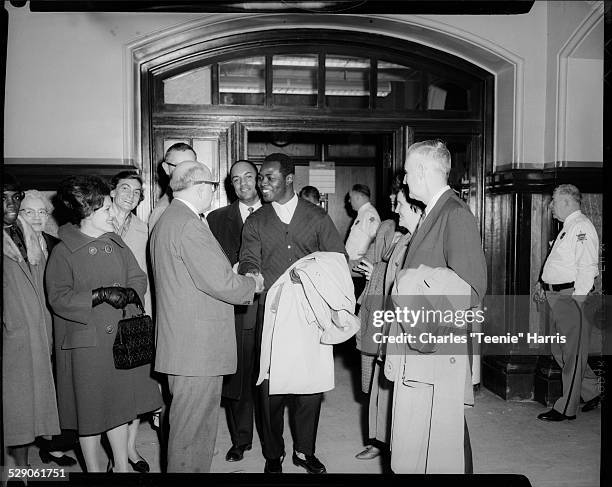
(357, 99)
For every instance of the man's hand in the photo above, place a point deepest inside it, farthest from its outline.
(364, 267)
(259, 281)
(539, 295)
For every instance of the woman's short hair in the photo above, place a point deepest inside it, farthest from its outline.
(127, 175)
(81, 196)
(34, 194)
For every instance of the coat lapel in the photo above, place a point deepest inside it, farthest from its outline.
(235, 220)
(426, 224)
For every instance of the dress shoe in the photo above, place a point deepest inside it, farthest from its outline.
(236, 453)
(274, 466)
(140, 466)
(310, 463)
(554, 415)
(63, 461)
(370, 452)
(591, 404)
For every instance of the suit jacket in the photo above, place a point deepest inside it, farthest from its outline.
(195, 290)
(226, 225)
(449, 237)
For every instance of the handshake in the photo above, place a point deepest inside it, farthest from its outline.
(118, 297)
(259, 281)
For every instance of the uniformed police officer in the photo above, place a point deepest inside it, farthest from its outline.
(364, 228)
(567, 278)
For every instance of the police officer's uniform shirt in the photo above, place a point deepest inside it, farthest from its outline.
(244, 209)
(575, 255)
(362, 232)
(285, 212)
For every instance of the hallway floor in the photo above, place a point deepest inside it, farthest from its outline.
(506, 438)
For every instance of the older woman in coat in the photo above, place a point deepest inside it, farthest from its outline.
(91, 277)
(28, 392)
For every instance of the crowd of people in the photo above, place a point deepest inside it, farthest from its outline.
(248, 303)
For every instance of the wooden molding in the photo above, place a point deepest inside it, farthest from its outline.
(587, 179)
(46, 177)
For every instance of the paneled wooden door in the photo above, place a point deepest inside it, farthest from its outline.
(216, 145)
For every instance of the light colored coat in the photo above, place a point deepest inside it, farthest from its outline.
(28, 391)
(303, 320)
(195, 289)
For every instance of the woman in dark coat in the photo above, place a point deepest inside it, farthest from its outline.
(91, 277)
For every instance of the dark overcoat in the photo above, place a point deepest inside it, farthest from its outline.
(93, 396)
(28, 392)
(226, 225)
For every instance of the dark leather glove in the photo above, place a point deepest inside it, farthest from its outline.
(133, 297)
(117, 297)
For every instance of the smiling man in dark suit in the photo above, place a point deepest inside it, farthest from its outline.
(273, 238)
(226, 225)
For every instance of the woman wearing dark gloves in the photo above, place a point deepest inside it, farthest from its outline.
(91, 277)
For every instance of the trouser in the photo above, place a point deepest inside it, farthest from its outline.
(304, 412)
(578, 379)
(240, 411)
(193, 420)
(381, 400)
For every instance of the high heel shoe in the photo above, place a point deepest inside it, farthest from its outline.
(140, 466)
(63, 461)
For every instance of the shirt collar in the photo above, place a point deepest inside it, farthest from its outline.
(245, 207)
(571, 217)
(434, 200)
(189, 205)
(364, 207)
(289, 206)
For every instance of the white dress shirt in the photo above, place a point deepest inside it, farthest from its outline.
(285, 212)
(433, 201)
(244, 209)
(574, 256)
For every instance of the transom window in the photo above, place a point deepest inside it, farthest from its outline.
(319, 80)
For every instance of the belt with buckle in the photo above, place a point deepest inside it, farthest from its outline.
(557, 287)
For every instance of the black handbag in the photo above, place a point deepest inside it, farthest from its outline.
(134, 342)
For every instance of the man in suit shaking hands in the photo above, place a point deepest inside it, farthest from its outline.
(226, 225)
(196, 339)
(447, 236)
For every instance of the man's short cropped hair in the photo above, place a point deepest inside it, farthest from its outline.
(435, 152)
(286, 164)
(178, 147)
(363, 189)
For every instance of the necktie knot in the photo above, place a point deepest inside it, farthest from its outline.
(251, 209)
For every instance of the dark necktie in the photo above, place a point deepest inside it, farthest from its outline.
(17, 237)
(251, 209)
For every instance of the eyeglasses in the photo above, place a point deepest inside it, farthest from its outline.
(30, 213)
(214, 184)
(16, 196)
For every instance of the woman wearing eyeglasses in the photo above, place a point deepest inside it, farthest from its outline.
(126, 194)
(36, 210)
